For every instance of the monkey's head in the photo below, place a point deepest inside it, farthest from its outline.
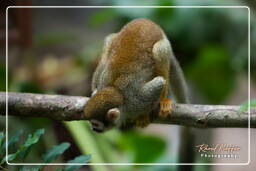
(102, 110)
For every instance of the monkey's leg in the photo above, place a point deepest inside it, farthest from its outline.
(155, 88)
(165, 102)
(161, 56)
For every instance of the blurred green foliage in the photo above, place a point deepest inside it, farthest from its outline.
(53, 153)
(79, 159)
(102, 16)
(25, 148)
(245, 106)
(2, 77)
(116, 147)
(141, 146)
(210, 44)
(213, 61)
(26, 86)
(53, 38)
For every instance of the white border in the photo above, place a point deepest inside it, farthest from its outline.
(249, 134)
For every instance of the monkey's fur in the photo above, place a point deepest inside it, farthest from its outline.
(132, 77)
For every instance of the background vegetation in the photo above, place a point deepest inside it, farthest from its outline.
(211, 45)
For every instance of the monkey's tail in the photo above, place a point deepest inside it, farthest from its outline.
(180, 90)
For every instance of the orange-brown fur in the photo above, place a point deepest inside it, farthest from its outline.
(135, 41)
(127, 65)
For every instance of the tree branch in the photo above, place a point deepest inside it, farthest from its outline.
(68, 108)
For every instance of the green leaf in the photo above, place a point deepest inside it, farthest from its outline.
(29, 168)
(102, 16)
(59, 169)
(2, 146)
(78, 128)
(142, 147)
(244, 106)
(80, 159)
(24, 149)
(11, 141)
(10, 157)
(14, 138)
(55, 151)
(30, 141)
(33, 138)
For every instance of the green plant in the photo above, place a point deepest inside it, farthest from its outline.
(245, 105)
(24, 149)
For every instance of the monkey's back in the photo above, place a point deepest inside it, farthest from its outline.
(131, 61)
(131, 50)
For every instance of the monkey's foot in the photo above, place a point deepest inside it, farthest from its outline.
(143, 121)
(165, 107)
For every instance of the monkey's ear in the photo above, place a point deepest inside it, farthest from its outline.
(113, 114)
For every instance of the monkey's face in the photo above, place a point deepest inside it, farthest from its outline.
(111, 119)
(102, 110)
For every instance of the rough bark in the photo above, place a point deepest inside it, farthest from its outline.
(68, 108)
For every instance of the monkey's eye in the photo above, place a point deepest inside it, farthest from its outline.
(97, 126)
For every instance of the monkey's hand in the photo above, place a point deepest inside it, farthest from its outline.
(143, 121)
(165, 107)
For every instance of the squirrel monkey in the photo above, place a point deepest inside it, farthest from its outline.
(132, 77)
